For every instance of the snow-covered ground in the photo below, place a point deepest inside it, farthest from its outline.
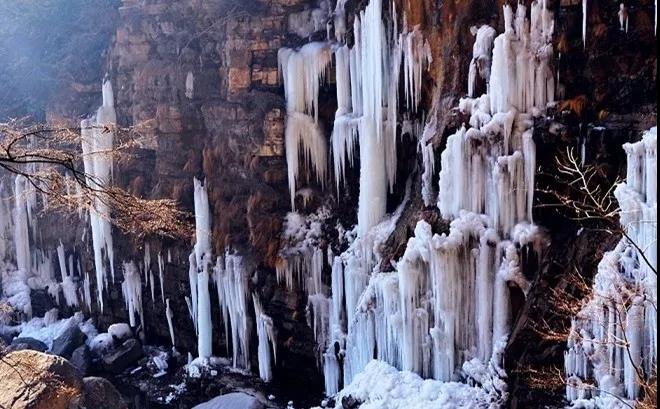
(381, 386)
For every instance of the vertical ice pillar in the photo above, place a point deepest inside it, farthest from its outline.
(97, 136)
(21, 230)
(170, 317)
(204, 323)
(266, 339)
(201, 260)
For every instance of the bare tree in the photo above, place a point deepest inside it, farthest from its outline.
(50, 160)
(584, 194)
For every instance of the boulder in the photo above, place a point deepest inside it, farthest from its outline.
(81, 359)
(349, 402)
(234, 400)
(99, 393)
(70, 339)
(34, 380)
(120, 332)
(123, 356)
(22, 343)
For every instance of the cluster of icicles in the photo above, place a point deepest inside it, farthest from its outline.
(230, 277)
(34, 267)
(613, 339)
(448, 302)
(367, 78)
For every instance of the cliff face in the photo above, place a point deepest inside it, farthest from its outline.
(199, 80)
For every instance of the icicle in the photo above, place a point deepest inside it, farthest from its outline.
(132, 291)
(304, 136)
(87, 292)
(204, 322)
(161, 275)
(97, 141)
(170, 316)
(584, 23)
(231, 278)
(192, 279)
(190, 85)
(266, 338)
(21, 233)
(623, 18)
(61, 257)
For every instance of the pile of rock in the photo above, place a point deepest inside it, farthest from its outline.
(36, 380)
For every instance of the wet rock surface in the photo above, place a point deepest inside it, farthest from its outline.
(99, 393)
(81, 359)
(122, 357)
(22, 343)
(67, 342)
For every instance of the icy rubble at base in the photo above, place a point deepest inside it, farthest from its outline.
(382, 386)
(48, 328)
(613, 339)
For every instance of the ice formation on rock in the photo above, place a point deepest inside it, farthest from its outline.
(584, 22)
(199, 272)
(132, 291)
(447, 302)
(613, 339)
(266, 340)
(481, 56)
(97, 135)
(161, 275)
(301, 260)
(21, 224)
(302, 72)
(623, 17)
(190, 85)
(231, 280)
(170, 316)
(367, 77)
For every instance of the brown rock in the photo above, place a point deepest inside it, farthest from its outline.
(239, 79)
(99, 393)
(34, 380)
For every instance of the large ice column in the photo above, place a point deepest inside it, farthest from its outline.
(97, 135)
(204, 322)
(266, 338)
(371, 46)
(21, 225)
(198, 271)
(202, 222)
(614, 336)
